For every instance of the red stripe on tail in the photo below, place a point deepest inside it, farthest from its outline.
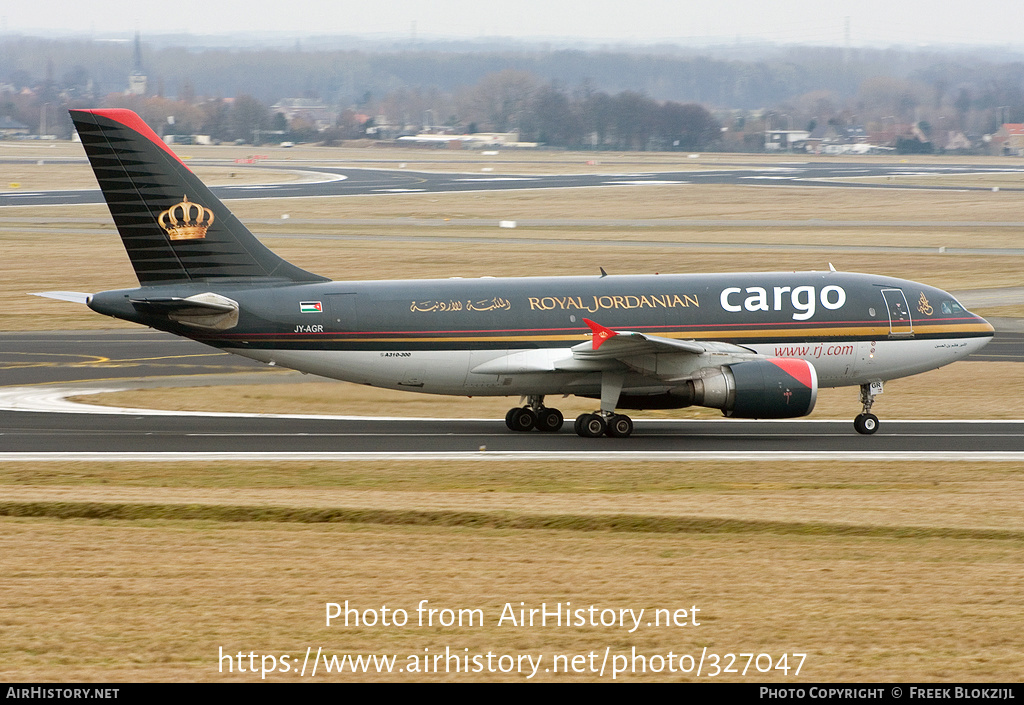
(133, 122)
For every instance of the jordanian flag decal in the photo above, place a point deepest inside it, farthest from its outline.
(311, 307)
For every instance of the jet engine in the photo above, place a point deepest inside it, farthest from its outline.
(771, 388)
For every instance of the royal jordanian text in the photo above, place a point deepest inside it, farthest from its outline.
(593, 304)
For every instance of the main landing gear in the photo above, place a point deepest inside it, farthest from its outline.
(542, 418)
(866, 423)
(604, 422)
(534, 416)
(598, 424)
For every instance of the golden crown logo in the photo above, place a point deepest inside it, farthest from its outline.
(186, 220)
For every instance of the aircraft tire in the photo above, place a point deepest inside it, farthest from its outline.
(509, 418)
(521, 419)
(865, 424)
(591, 425)
(549, 420)
(620, 426)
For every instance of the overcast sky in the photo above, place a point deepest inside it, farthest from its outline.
(908, 22)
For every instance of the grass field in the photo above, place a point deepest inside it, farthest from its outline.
(876, 571)
(908, 571)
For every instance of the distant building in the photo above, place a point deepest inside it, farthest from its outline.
(783, 140)
(477, 140)
(10, 127)
(137, 81)
(834, 139)
(188, 139)
(957, 142)
(312, 111)
(1009, 140)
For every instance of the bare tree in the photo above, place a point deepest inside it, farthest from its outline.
(500, 100)
(248, 117)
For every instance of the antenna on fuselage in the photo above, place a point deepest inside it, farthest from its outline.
(603, 273)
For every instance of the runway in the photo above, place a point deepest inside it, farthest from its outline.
(37, 422)
(247, 437)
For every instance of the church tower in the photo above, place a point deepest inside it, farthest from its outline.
(137, 79)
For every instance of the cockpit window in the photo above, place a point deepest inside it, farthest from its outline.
(952, 307)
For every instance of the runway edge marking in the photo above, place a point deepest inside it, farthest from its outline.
(505, 456)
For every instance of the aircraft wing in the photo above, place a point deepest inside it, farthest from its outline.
(714, 374)
(609, 344)
(614, 349)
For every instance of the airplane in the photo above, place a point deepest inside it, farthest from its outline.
(753, 345)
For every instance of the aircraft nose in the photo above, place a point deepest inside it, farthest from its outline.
(983, 331)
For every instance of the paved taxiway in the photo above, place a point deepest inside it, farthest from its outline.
(348, 181)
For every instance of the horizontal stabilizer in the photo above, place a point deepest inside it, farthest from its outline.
(208, 311)
(167, 304)
(77, 297)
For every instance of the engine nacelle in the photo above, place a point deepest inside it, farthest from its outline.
(771, 388)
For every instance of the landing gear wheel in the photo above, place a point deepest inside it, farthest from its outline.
(549, 420)
(591, 425)
(521, 419)
(620, 426)
(510, 418)
(866, 424)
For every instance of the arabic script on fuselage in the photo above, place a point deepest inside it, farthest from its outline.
(431, 306)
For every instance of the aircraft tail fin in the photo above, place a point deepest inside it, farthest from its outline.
(171, 224)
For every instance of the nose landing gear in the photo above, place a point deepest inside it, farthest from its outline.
(866, 423)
